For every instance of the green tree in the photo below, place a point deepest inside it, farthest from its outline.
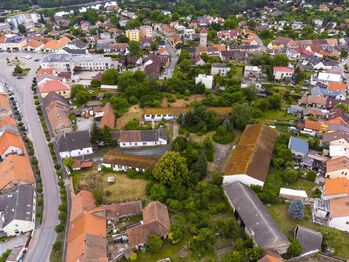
(295, 249)
(171, 167)
(201, 165)
(119, 103)
(280, 60)
(68, 162)
(80, 94)
(254, 254)
(331, 237)
(296, 209)
(154, 243)
(96, 134)
(18, 70)
(176, 233)
(158, 192)
(22, 29)
(110, 77)
(122, 39)
(234, 256)
(134, 47)
(133, 257)
(57, 246)
(241, 115)
(209, 148)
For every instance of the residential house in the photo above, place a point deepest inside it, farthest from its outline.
(8, 124)
(75, 144)
(142, 138)
(133, 35)
(339, 213)
(33, 46)
(314, 101)
(252, 71)
(271, 257)
(18, 208)
(298, 147)
(326, 78)
(57, 111)
(15, 170)
(119, 161)
(337, 167)
(254, 217)
(206, 80)
(108, 118)
(55, 86)
(249, 161)
(339, 148)
(310, 240)
(12, 43)
(55, 45)
(281, 72)
(336, 188)
(219, 69)
(156, 221)
(11, 143)
(333, 136)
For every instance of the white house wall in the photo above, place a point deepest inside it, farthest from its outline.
(341, 223)
(243, 178)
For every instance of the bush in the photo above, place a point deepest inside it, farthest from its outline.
(294, 250)
(154, 243)
(296, 210)
(223, 135)
(60, 228)
(311, 176)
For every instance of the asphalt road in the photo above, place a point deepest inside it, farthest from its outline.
(41, 244)
(174, 59)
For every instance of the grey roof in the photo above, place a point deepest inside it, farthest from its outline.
(298, 145)
(74, 51)
(292, 109)
(17, 204)
(57, 58)
(328, 137)
(254, 215)
(310, 240)
(142, 135)
(78, 43)
(219, 65)
(52, 96)
(73, 141)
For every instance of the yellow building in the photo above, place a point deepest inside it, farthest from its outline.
(133, 35)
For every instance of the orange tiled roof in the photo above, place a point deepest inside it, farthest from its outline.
(336, 186)
(57, 44)
(15, 169)
(42, 71)
(7, 121)
(10, 139)
(337, 164)
(337, 86)
(317, 126)
(108, 118)
(33, 43)
(4, 103)
(53, 86)
(339, 207)
(87, 238)
(336, 121)
(82, 202)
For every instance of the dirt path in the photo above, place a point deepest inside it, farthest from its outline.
(134, 112)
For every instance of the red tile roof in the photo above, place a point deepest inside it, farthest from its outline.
(53, 86)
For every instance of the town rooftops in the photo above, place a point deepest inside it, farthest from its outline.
(253, 153)
(118, 158)
(53, 97)
(298, 145)
(337, 86)
(17, 204)
(14, 170)
(336, 186)
(337, 164)
(73, 141)
(255, 217)
(310, 240)
(328, 137)
(4, 103)
(142, 135)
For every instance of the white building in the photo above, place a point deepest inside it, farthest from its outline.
(219, 69)
(339, 147)
(17, 213)
(282, 72)
(252, 71)
(207, 80)
(142, 138)
(339, 214)
(76, 144)
(59, 62)
(325, 78)
(146, 31)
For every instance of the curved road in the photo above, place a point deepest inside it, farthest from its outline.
(41, 244)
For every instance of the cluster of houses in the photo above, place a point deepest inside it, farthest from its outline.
(98, 233)
(18, 197)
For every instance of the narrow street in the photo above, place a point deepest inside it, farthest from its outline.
(44, 236)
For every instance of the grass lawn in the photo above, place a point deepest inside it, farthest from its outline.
(179, 252)
(287, 225)
(124, 189)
